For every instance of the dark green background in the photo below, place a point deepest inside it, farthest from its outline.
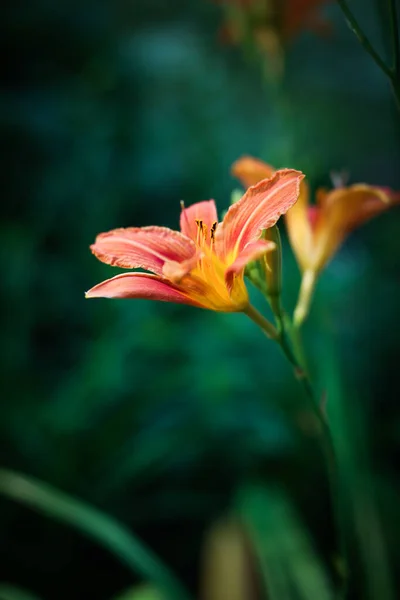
(111, 113)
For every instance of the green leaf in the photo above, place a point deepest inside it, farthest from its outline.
(288, 562)
(10, 592)
(95, 524)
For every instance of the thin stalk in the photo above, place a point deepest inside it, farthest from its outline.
(364, 41)
(307, 287)
(299, 372)
(295, 336)
(395, 36)
(325, 436)
(267, 327)
(394, 32)
(392, 73)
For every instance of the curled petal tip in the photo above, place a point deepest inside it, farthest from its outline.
(89, 294)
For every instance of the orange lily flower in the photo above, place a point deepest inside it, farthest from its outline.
(203, 264)
(317, 231)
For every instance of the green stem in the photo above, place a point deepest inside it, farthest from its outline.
(394, 31)
(295, 336)
(395, 36)
(364, 41)
(267, 327)
(392, 73)
(325, 436)
(299, 372)
(307, 287)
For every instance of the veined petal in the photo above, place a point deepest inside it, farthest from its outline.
(143, 247)
(258, 209)
(352, 205)
(251, 170)
(300, 221)
(252, 251)
(205, 211)
(140, 286)
(341, 211)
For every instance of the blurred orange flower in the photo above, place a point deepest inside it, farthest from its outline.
(203, 264)
(316, 231)
(272, 24)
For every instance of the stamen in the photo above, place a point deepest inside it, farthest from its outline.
(212, 230)
(199, 224)
(201, 232)
(199, 238)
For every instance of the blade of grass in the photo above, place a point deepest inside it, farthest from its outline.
(10, 592)
(94, 524)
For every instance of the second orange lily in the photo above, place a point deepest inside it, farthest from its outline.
(317, 231)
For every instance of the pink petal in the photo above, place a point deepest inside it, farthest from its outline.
(143, 247)
(140, 286)
(253, 251)
(258, 209)
(205, 211)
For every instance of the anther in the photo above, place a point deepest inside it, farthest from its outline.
(199, 224)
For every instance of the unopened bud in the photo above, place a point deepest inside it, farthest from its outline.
(273, 269)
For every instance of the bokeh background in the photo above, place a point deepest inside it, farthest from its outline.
(111, 113)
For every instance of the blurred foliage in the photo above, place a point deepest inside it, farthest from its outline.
(144, 592)
(111, 112)
(288, 562)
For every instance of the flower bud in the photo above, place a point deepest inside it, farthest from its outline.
(273, 269)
